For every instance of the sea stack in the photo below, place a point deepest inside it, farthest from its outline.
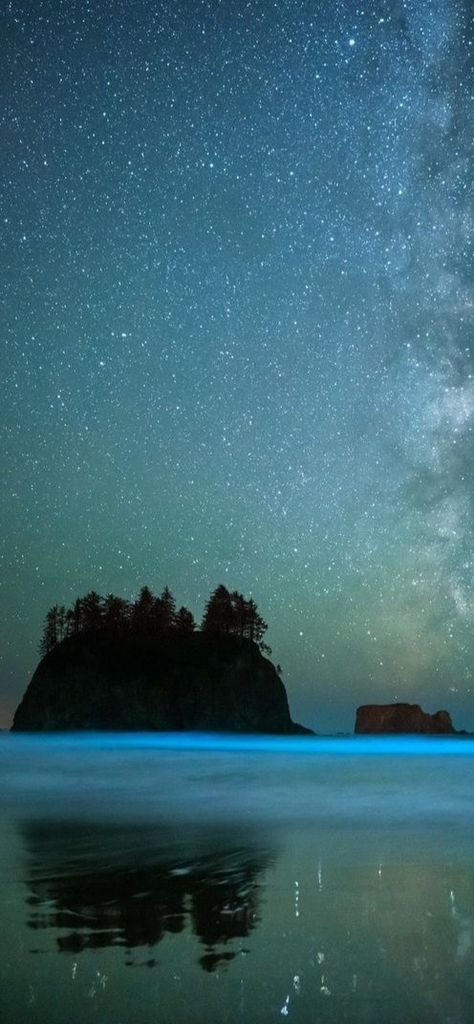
(107, 681)
(402, 718)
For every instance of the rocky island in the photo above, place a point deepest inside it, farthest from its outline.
(153, 671)
(402, 718)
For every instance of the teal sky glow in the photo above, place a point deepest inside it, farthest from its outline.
(236, 306)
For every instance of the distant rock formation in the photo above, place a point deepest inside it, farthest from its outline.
(401, 718)
(111, 681)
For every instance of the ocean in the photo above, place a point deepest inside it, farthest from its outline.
(155, 878)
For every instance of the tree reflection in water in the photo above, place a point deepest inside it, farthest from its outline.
(103, 886)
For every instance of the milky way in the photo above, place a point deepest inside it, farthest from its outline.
(237, 322)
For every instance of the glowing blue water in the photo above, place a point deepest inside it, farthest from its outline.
(397, 744)
(200, 776)
(190, 878)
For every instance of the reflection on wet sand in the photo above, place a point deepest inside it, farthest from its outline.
(108, 887)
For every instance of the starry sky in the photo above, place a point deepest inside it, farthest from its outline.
(236, 322)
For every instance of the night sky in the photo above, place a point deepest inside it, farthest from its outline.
(236, 309)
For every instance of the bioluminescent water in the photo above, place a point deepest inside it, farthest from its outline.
(160, 878)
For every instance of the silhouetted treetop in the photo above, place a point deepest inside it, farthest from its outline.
(50, 631)
(225, 613)
(143, 611)
(92, 610)
(184, 621)
(168, 609)
(116, 612)
(234, 614)
(219, 613)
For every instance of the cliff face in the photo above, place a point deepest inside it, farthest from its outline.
(400, 718)
(126, 682)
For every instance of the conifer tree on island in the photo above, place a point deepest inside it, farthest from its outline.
(92, 610)
(74, 618)
(143, 611)
(234, 614)
(115, 612)
(184, 621)
(50, 631)
(61, 623)
(168, 608)
(219, 614)
(55, 628)
(225, 614)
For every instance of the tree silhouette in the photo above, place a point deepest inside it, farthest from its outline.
(239, 605)
(219, 612)
(61, 623)
(92, 610)
(255, 627)
(74, 618)
(184, 621)
(234, 614)
(143, 611)
(115, 613)
(50, 631)
(225, 613)
(168, 610)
